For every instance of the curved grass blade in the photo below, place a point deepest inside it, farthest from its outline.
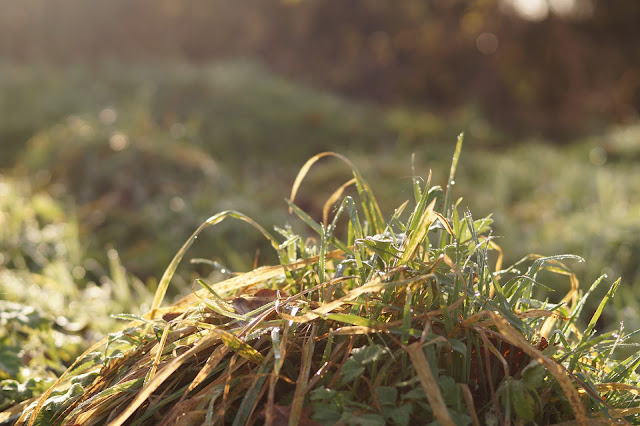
(171, 269)
(369, 204)
(334, 199)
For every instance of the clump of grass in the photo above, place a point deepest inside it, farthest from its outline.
(405, 321)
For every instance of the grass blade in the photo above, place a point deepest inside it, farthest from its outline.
(171, 269)
(369, 204)
(418, 234)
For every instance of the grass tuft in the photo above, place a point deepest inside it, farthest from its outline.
(408, 321)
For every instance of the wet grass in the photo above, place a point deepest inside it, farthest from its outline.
(408, 319)
(121, 166)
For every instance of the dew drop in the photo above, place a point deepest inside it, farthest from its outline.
(453, 182)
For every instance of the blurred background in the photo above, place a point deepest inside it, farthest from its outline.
(125, 124)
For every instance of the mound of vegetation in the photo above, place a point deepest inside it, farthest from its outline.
(223, 108)
(126, 173)
(405, 321)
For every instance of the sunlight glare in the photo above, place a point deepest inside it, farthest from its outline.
(532, 10)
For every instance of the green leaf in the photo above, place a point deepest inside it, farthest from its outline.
(401, 415)
(533, 376)
(322, 394)
(382, 245)
(327, 405)
(57, 404)
(449, 389)
(354, 366)
(415, 394)
(521, 399)
(85, 379)
(13, 392)
(369, 354)
(350, 371)
(10, 362)
(16, 315)
(326, 414)
(387, 395)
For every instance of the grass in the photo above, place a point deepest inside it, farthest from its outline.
(199, 120)
(179, 132)
(223, 109)
(62, 237)
(374, 321)
(54, 301)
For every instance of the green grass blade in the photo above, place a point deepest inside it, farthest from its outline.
(623, 370)
(418, 234)
(322, 262)
(580, 305)
(538, 263)
(354, 320)
(316, 226)
(605, 300)
(452, 171)
(594, 319)
(421, 208)
(277, 352)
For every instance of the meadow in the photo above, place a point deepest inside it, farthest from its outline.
(107, 171)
